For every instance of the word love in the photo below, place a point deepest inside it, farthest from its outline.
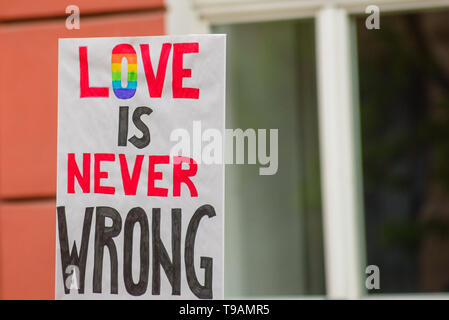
(155, 80)
(130, 180)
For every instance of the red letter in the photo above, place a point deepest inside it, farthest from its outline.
(130, 183)
(155, 84)
(73, 171)
(98, 174)
(152, 175)
(179, 73)
(87, 91)
(182, 176)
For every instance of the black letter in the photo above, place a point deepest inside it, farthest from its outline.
(136, 215)
(145, 140)
(103, 237)
(160, 255)
(73, 258)
(123, 126)
(202, 292)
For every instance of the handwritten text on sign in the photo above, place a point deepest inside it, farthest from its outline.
(133, 220)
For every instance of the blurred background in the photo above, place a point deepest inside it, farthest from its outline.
(363, 119)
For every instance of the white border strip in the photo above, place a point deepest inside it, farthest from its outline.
(234, 11)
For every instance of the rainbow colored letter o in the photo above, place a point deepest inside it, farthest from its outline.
(118, 53)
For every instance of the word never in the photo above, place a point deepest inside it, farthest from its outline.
(130, 181)
(155, 83)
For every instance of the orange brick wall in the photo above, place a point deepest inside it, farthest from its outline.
(29, 32)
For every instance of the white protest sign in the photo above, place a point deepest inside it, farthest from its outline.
(134, 220)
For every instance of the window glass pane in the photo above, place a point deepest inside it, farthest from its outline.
(404, 104)
(273, 237)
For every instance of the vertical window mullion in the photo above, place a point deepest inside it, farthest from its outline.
(341, 196)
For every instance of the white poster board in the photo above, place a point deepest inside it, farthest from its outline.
(134, 218)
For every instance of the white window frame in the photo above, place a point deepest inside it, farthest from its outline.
(338, 114)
